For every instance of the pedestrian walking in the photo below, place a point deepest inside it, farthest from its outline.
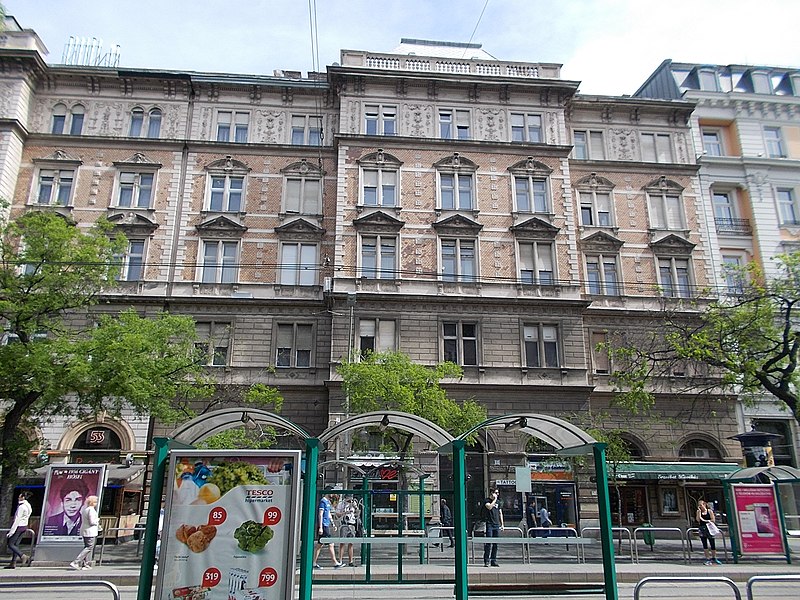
(18, 527)
(494, 524)
(544, 520)
(349, 513)
(324, 529)
(706, 522)
(446, 518)
(90, 528)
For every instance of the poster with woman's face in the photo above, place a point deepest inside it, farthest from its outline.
(68, 486)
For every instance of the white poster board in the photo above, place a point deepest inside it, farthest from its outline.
(230, 525)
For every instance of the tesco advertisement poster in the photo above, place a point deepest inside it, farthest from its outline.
(229, 526)
(759, 523)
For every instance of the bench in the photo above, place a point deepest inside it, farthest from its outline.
(525, 589)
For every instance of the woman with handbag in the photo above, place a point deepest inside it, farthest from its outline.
(708, 529)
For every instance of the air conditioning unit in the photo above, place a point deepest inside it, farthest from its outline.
(327, 284)
(702, 453)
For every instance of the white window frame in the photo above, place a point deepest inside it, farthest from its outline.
(788, 206)
(458, 190)
(381, 332)
(141, 194)
(588, 145)
(545, 339)
(774, 143)
(455, 124)
(676, 286)
(714, 146)
(527, 127)
(381, 269)
(386, 193)
(55, 178)
(306, 130)
(607, 281)
(458, 340)
(298, 358)
(537, 194)
(536, 255)
(459, 259)
(214, 341)
(233, 126)
(225, 266)
(225, 192)
(723, 209)
(132, 261)
(380, 119)
(663, 208)
(308, 201)
(661, 148)
(592, 201)
(731, 271)
(299, 263)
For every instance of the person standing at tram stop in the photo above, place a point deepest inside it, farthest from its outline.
(446, 518)
(704, 516)
(18, 527)
(324, 529)
(494, 524)
(90, 527)
(349, 513)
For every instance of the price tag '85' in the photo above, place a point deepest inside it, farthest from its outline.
(217, 516)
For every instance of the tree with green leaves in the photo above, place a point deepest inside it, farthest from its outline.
(746, 344)
(60, 358)
(391, 381)
(250, 435)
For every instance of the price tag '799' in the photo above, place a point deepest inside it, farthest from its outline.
(268, 577)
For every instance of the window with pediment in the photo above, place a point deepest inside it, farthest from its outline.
(302, 188)
(673, 255)
(595, 198)
(379, 245)
(665, 204)
(536, 251)
(458, 248)
(226, 186)
(299, 253)
(135, 182)
(531, 189)
(456, 177)
(601, 261)
(55, 180)
(380, 179)
(220, 249)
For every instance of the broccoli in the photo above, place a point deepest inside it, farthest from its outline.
(253, 536)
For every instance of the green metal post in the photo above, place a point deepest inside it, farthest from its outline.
(422, 517)
(604, 506)
(308, 518)
(401, 548)
(153, 513)
(460, 517)
(733, 528)
(782, 522)
(366, 516)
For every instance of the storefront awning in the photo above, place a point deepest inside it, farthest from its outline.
(673, 471)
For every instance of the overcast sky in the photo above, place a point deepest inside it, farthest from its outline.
(611, 46)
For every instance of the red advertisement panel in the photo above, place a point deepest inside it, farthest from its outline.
(758, 521)
(68, 486)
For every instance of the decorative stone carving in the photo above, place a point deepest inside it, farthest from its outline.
(623, 143)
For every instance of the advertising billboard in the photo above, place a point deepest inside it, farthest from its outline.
(758, 521)
(67, 488)
(230, 525)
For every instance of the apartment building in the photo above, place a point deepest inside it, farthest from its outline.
(464, 209)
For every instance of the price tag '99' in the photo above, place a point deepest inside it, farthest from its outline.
(272, 516)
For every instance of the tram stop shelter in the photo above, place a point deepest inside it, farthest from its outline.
(567, 439)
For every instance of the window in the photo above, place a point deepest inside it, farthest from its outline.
(220, 261)
(454, 124)
(712, 142)
(595, 208)
(213, 343)
(133, 262)
(708, 80)
(380, 119)
(536, 263)
(599, 351)
(376, 335)
(674, 275)
(588, 145)
(774, 141)
(695, 449)
(541, 345)
(294, 345)
(456, 191)
(235, 122)
(656, 147)
(154, 126)
(135, 190)
(526, 128)
(226, 193)
(460, 343)
(601, 275)
(458, 260)
(723, 207)
(59, 125)
(306, 130)
(303, 195)
(298, 264)
(379, 187)
(731, 270)
(531, 194)
(138, 123)
(59, 119)
(55, 187)
(789, 209)
(666, 211)
(379, 257)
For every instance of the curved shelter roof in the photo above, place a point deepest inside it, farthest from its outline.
(208, 424)
(777, 473)
(394, 419)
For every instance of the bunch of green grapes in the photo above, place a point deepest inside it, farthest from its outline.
(227, 476)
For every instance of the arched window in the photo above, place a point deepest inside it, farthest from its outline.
(76, 125)
(59, 119)
(154, 126)
(699, 450)
(137, 120)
